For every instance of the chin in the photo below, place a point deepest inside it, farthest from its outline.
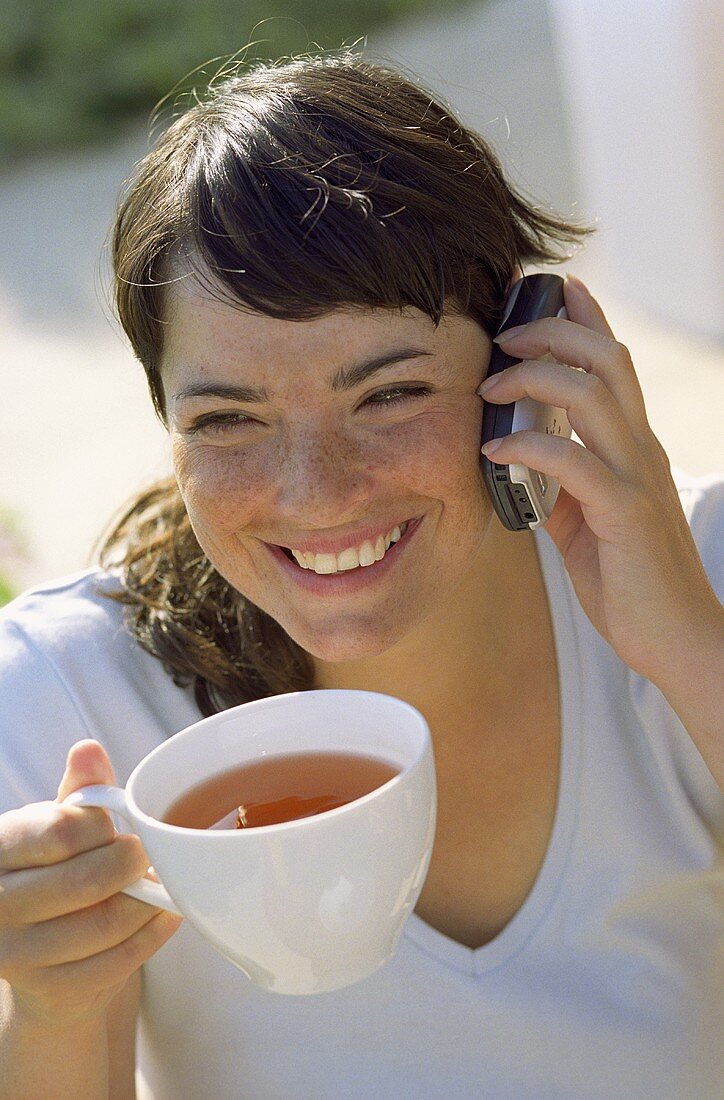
(341, 645)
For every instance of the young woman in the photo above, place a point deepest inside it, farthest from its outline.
(312, 265)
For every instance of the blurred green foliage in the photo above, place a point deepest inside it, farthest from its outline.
(13, 553)
(73, 71)
(7, 592)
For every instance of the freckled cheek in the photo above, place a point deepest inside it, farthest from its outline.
(442, 455)
(222, 485)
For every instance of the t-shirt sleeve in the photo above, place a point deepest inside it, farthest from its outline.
(703, 502)
(71, 669)
(38, 720)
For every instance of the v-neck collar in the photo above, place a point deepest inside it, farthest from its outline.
(536, 906)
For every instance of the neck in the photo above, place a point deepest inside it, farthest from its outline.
(463, 654)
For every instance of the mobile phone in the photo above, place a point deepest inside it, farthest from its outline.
(523, 498)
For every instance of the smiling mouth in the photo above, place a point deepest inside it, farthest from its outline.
(352, 557)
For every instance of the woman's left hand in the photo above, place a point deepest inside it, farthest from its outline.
(618, 522)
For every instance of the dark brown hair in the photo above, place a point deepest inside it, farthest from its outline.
(293, 189)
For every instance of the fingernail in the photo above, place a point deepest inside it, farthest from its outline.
(575, 281)
(488, 384)
(509, 334)
(490, 447)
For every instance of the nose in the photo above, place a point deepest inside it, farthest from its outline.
(325, 478)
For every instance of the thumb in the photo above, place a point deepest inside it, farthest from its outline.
(87, 765)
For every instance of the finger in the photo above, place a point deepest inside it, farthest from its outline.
(565, 520)
(578, 470)
(594, 352)
(45, 833)
(87, 765)
(85, 978)
(74, 936)
(593, 412)
(42, 893)
(583, 308)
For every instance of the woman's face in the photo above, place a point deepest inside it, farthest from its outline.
(349, 439)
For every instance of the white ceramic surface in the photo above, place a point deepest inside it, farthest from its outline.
(306, 906)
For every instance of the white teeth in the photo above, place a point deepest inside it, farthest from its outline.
(366, 553)
(325, 563)
(352, 557)
(348, 559)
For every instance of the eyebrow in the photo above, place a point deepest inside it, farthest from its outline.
(346, 378)
(222, 389)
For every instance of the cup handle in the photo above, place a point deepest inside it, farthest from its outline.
(114, 799)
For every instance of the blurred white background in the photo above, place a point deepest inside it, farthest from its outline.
(603, 111)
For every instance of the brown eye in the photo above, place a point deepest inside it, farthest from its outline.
(395, 395)
(218, 423)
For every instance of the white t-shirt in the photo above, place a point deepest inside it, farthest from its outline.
(601, 986)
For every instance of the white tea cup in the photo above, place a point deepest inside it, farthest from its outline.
(303, 906)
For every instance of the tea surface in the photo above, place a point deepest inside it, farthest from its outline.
(274, 789)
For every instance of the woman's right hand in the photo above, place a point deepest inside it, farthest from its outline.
(69, 940)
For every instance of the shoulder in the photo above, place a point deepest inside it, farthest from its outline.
(70, 669)
(680, 764)
(64, 626)
(702, 500)
(701, 496)
(80, 602)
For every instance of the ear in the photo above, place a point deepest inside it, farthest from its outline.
(514, 278)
